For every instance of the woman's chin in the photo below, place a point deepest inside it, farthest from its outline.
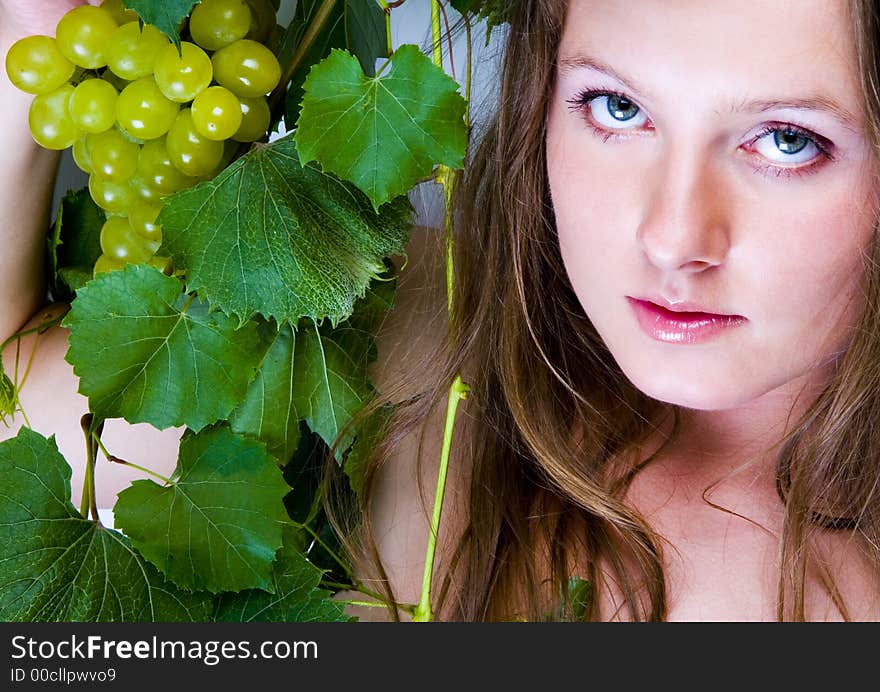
(700, 393)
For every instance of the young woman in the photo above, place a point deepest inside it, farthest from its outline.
(666, 306)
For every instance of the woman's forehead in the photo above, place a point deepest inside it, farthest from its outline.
(760, 48)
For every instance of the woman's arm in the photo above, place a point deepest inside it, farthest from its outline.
(27, 173)
(27, 178)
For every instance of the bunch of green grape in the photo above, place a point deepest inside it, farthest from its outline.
(145, 119)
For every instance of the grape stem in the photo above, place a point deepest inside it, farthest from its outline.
(320, 18)
(89, 503)
(458, 391)
(117, 460)
(360, 588)
(39, 329)
(326, 547)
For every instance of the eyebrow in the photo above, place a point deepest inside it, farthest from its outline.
(812, 102)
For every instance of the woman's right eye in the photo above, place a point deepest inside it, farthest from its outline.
(609, 110)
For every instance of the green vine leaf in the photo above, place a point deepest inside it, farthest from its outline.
(56, 566)
(383, 134)
(295, 596)
(331, 384)
(495, 12)
(140, 356)
(165, 15)
(270, 237)
(74, 242)
(218, 525)
(268, 411)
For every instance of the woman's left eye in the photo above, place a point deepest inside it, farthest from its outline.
(787, 144)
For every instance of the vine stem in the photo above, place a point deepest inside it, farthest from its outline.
(435, 33)
(89, 502)
(40, 328)
(386, 8)
(326, 547)
(305, 44)
(360, 588)
(458, 391)
(116, 460)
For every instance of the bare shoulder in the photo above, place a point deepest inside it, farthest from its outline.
(413, 328)
(53, 405)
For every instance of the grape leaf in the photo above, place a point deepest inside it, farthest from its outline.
(295, 595)
(165, 15)
(74, 278)
(74, 242)
(331, 383)
(270, 237)
(384, 134)
(495, 12)
(370, 310)
(267, 411)
(141, 357)
(56, 566)
(354, 25)
(218, 525)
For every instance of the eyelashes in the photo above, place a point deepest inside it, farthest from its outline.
(772, 134)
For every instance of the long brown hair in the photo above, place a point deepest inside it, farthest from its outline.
(545, 504)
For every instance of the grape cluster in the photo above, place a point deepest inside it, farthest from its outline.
(144, 118)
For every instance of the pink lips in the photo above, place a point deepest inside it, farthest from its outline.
(680, 327)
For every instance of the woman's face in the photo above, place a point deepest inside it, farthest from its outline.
(712, 153)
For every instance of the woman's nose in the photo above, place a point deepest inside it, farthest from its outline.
(684, 224)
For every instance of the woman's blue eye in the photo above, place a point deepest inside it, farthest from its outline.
(784, 145)
(611, 111)
(789, 142)
(621, 108)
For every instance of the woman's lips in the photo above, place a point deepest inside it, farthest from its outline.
(680, 327)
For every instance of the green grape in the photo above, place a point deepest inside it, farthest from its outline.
(157, 171)
(182, 77)
(49, 119)
(119, 12)
(263, 20)
(118, 240)
(246, 68)
(106, 263)
(216, 113)
(83, 35)
(163, 264)
(81, 155)
(35, 65)
(143, 192)
(113, 197)
(142, 217)
(190, 152)
(255, 118)
(113, 157)
(214, 24)
(142, 110)
(93, 105)
(132, 51)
